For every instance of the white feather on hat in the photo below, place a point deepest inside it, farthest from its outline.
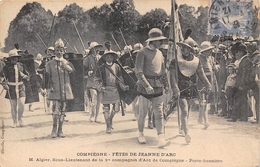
(59, 43)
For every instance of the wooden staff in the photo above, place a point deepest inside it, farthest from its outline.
(131, 57)
(41, 40)
(79, 36)
(51, 29)
(67, 42)
(115, 41)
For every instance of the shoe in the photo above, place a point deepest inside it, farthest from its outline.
(255, 122)
(181, 132)
(14, 125)
(228, 117)
(20, 122)
(97, 121)
(53, 134)
(162, 142)
(187, 139)
(206, 125)
(108, 130)
(141, 140)
(91, 119)
(134, 119)
(232, 120)
(60, 134)
(200, 121)
(150, 125)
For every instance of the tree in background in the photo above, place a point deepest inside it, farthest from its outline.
(153, 19)
(64, 26)
(31, 19)
(98, 23)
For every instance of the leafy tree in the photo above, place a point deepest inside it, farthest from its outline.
(153, 19)
(31, 19)
(200, 32)
(64, 26)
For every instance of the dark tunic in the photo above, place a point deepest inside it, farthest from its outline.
(12, 73)
(187, 85)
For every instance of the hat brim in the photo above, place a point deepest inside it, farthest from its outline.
(136, 51)
(156, 39)
(209, 48)
(99, 45)
(184, 44)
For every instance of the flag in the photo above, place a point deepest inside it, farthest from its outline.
(175, 35)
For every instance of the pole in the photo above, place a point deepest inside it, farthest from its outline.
(67, 42)
(172, 45)
(115, 41)
(76, 49)
(127, 45)
(51, 29)
(42, 40)
(79, 36)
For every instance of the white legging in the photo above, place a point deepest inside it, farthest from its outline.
(17, 105)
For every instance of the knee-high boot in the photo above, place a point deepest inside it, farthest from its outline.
(61, 120)
(111, 118)
(107, 119)
(55, 118)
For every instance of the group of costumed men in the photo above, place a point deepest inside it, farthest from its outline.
(190, 77)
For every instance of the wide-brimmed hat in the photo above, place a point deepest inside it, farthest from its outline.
(138, 47)
(106, 53)
(189, 42)
(250, 39)
(231, 65)
(155, 34)
(94, 44)
(205, 46)
(59, 43)
(13, 53)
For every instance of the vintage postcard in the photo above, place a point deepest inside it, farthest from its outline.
(129, 83)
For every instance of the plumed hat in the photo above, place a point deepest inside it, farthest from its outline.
(59, 43)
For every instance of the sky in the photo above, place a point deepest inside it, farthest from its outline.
(10, 8)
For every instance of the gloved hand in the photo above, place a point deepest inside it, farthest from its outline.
(90, 73)
(209, 90)
(149, 90)
(5, 86)
(167, 90)
(43, 92)
(26, 77)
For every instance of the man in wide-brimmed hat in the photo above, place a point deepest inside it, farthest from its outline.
(90, 68)
(151, 73)
(244, 69)
(59, 88)
(255, 87)
(188, 67)
(208, 64)
(111, 78)
(11, 78)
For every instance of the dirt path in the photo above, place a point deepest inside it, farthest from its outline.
(223, 144)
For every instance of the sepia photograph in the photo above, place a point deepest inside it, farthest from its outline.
(130, 83)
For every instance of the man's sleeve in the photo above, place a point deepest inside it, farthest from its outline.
(139, 70)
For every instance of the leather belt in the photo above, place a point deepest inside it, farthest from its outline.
(14, 83)
(153, 77)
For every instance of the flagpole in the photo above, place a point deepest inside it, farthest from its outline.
(172, 53)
